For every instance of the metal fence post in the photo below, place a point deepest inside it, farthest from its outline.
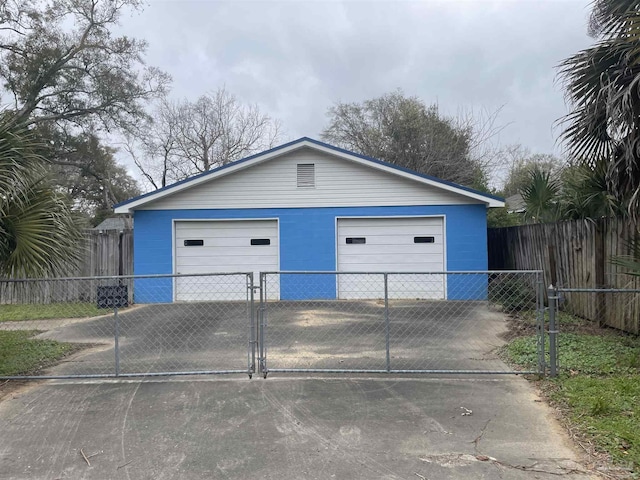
(540, 323)
(262, 316)
(251, 355)
(386, 319)
(116, 321)
(553, 348)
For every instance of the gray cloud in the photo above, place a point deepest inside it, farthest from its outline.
(295, 59)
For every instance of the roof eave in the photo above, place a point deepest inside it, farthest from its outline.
(130, 205)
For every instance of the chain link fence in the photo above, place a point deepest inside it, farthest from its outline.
(126, 326)
(578, 309)
(433, 322)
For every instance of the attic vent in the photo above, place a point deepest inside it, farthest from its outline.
(306, 175)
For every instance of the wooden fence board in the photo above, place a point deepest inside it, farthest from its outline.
(104, 253)
(580, 263)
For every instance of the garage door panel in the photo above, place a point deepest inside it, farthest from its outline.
(390, 247)
(384, 231)
(427, 249)
(239, 264)
(225, 242)
(371, 286)
(395, 259)
(212, 252)
(226, 248)
(397, 221)
(223, 233)
(207, 289)
(226, 225)
(404, 239)
(225, 237)
(390, 267)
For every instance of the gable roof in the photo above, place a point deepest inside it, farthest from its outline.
(115, 223)
(129, 205)
(515, 203)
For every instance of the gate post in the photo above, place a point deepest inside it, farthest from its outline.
(262, 320)
(542, 368)
(386, 319)
(251, 354)
(553, 347)
(116, 335)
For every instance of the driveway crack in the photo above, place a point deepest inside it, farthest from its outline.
(476, 441)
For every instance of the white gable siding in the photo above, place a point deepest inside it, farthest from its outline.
(337, 183)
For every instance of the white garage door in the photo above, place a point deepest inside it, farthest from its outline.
(391, 245)
(221, 247)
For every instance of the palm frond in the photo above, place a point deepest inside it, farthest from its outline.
(602, 85)
(629, 262)
(540, 196)
(39, 235)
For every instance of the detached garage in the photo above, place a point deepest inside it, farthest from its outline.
(309, 206)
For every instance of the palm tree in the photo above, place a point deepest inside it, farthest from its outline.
(39, 235)
(585, 193)
(603, 87)
(541, 196)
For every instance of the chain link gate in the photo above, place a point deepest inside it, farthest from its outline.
(125, 326)
(231, 323)
(420, 322)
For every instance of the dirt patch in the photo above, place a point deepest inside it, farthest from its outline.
(523, 323)
(48, 324)
(11, 388)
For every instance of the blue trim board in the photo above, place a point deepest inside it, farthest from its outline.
(308, 242)
(321, 144)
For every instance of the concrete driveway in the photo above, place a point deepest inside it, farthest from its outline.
(190, 337)
(288, 426)
(283, 428)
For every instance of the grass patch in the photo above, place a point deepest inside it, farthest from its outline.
(607, 409)
(582, 353)
(598, 387)
(562, 318)
(20, 354)
(17, 313)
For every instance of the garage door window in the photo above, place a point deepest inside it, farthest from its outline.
(424, 239)
(356, 240)
(260, 241)
(193, 243)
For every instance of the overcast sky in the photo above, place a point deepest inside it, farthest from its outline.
(297, 58)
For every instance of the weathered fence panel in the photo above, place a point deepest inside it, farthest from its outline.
(107, 252)
(574, 254)
(104, 253)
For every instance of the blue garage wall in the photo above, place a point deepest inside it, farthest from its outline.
(307, 242)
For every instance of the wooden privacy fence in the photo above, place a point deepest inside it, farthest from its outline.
(107, 252)
(575, 254)
(104, 253)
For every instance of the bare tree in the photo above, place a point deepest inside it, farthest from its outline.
(153, 146)
(484, 138)
(185, 138)
(519, 163)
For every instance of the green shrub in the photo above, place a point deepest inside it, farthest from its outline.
(514, 294)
